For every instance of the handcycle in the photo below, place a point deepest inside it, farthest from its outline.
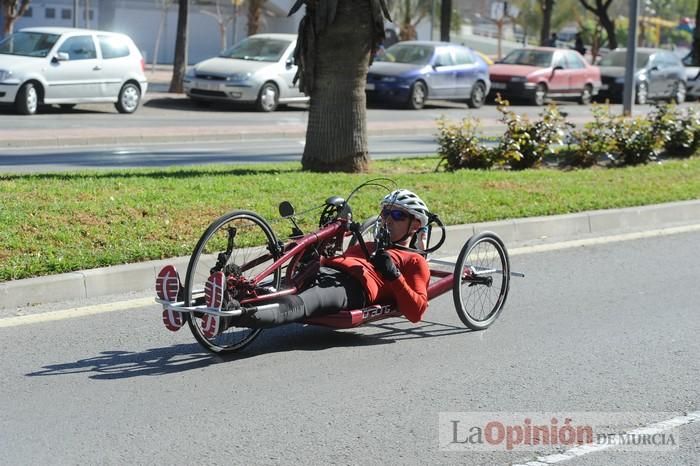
(260, 267)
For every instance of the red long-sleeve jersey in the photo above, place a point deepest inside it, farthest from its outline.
(409, 292)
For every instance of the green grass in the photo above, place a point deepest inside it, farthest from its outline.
(63, 222)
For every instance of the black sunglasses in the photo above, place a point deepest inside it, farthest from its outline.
(396, 215)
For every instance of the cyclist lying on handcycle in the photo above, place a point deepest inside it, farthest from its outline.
(350, 281)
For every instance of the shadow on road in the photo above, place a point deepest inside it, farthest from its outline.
(110, 365)
(181, 103)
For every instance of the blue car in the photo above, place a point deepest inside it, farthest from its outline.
(411, 72)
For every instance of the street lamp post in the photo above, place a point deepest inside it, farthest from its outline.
(75, 13)
(631, 60)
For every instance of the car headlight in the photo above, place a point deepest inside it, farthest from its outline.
(5, 75)
(620, 80)
(389, 79)
(238, 77)
(518, 79)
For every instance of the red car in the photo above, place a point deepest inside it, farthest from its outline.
(537, 73)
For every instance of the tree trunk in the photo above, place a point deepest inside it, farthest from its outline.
(254, 14)
(179, 62)
(445, 20)
(609, 26)
(696, 37)
(336, 134)
(601, 12)
(12, 10)
(546, 6)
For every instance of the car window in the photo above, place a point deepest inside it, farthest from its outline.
(258, 49)
(619, 58)
(30, 44)
(113, 47)
(574, 61)
(443, 57)
(560, 60)
(463, 56)
(539, 58)
(79, 48)
(408, 53)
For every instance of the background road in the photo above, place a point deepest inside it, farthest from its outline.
(608, 328)
(170, 130)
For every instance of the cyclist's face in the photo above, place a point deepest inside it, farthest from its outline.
(399, 223)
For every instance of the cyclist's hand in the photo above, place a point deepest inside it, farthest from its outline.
(383, 264)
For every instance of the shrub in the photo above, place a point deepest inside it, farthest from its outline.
(680, 132)
(459, 145)
(595, 140)
(524, 143)
(636, 142)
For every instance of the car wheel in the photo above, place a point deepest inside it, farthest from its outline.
(27, 100)
(129, 98)
(586, 95)
(417, 96)
(478, 95)
(540, 95)
(268, 98)
(679, 92)
(642, 96)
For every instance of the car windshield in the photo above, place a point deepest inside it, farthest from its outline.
(28, 44)
(619, 58)
(540, 58)
(407, 53)
(258, 49)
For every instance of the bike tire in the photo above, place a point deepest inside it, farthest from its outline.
(258, 245)
(482, 280)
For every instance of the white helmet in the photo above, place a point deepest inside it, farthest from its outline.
(409, 202)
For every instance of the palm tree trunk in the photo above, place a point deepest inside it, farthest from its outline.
(180, 60)
(336, 135)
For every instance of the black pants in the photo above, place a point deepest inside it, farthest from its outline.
(331, 291)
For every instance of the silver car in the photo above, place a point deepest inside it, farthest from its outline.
(258, 70)
(68, 66)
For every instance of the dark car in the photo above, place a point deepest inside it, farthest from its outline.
(692, 74)
(411, 72)
(659, 75)
(535, 73)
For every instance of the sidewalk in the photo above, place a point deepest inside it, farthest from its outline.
(515, 233)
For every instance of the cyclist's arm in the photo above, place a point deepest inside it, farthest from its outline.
(410, 290)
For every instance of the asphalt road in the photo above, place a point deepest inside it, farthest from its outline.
(610, 328)
(14, 160)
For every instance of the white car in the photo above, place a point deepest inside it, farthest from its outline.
(258, 70)
(65, 66)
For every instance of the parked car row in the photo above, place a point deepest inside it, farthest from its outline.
(69, 66)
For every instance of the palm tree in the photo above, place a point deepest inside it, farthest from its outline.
(337, 39)
(11, 11)
(180, 60)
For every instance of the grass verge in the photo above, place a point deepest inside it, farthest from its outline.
(54, 223)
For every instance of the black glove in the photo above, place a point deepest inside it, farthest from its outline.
(385, 266)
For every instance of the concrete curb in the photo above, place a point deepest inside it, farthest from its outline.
(141, 276)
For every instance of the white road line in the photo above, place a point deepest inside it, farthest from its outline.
(651, 429)
(125, 305)
(75, 312)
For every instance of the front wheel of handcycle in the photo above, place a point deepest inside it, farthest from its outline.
(241, 244)
(482, 279)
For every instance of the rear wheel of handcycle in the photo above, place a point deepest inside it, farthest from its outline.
(482, 279)
(241, 244)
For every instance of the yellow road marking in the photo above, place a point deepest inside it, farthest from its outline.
(75, 312)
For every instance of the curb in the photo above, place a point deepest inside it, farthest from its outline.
(138, 277)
